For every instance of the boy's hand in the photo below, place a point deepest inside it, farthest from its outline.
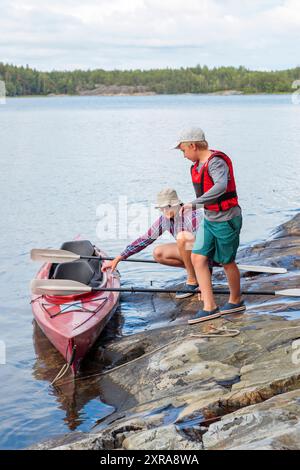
(111, 264)
(185, 207)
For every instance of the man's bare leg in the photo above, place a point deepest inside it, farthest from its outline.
(185, 242)
(175, 254)
(168, 254)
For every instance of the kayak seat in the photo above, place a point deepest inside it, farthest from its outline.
(80, 247)
(74, 271)
(85, 248)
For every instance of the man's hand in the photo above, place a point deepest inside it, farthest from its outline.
(185, 207)
(111, 264)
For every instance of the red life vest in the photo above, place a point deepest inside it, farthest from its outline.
(203, 182)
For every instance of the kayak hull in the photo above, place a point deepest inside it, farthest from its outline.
(73, 323)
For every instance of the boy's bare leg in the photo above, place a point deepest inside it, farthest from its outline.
(202, 271)
(185, 242)
(234, 281)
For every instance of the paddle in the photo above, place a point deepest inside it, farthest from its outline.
(66, 287)
(64, 256)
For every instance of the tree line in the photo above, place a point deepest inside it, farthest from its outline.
(200, 79)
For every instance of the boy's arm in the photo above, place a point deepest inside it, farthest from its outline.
(219, 172)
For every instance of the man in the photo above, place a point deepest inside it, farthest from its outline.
(218, 235)
(183, 228)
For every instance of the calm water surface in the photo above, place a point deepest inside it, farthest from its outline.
(62, 158)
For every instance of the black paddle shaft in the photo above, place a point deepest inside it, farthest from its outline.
(173, 291)
(133, 260)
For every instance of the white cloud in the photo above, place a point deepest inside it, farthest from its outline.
(150, 33)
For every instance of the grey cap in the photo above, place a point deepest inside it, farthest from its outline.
(167, 197)
(194, 134)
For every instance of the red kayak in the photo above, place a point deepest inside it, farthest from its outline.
(73, 323)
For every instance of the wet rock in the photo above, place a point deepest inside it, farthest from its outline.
(273, 424)
(289, 229)
(113, 436)
(163, 438)
(282, 250)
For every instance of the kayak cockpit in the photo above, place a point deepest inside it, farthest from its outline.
(87, 271)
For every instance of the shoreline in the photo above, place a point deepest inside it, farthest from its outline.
(213, 94)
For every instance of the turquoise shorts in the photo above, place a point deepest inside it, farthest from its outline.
(218, 240)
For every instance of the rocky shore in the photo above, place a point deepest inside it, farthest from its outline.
(232, 383)
(138, 90)
(117, 90)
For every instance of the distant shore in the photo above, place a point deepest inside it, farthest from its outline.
(216, 81)
(86, 94)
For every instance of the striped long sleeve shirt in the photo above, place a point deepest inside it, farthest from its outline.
(189, 222)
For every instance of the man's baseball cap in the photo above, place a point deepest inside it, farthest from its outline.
(195, 134)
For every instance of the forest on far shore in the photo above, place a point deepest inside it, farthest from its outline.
(21, 81)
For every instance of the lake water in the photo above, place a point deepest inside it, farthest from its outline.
(63, 158)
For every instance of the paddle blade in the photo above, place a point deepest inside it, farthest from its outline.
(261, 269)
(53, 256)
(289, 292)
(58, 287)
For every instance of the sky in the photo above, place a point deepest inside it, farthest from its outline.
(145, 34)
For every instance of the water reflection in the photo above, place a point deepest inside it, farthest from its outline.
(80, 399)
(89, 398)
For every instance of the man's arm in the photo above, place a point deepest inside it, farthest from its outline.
(154, 232)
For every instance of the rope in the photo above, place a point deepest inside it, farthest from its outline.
(217, 333)
(66, 366)
(61, 373)
(228, 333)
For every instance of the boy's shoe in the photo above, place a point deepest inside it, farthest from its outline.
(204, 315)
(232, 308)
(189, 287)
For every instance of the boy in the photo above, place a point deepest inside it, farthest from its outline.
(218, 236)
(183, 227)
